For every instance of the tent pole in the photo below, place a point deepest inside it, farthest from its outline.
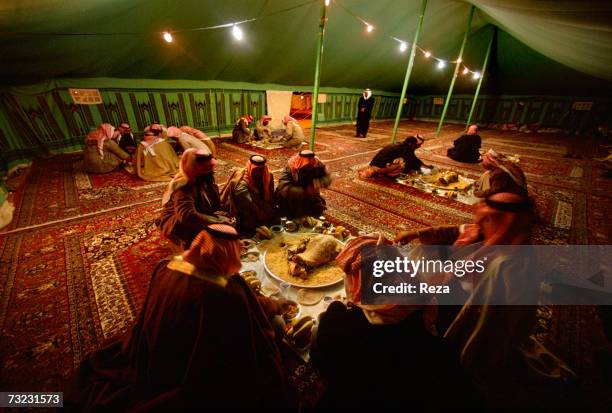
(315, 94)
(452, 85)
(409, 69)
(482, 75)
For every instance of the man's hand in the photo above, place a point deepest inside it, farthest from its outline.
(286, 305)
(404, 237)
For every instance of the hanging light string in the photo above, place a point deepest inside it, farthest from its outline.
(404, 44)
(163, 33)
(238, 35)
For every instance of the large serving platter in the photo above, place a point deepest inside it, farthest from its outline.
(294, 281)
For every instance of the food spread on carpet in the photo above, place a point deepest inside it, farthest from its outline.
(75, 287)
(442, 182)
(274, 142)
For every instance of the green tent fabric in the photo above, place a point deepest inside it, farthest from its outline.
(540, 43)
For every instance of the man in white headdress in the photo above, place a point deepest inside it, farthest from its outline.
(364, 112)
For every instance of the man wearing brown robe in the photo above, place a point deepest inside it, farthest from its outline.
(298, 192)
(203, 341)
(249, 196)
(241, 132)
(191, 201)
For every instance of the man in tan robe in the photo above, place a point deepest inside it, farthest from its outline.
(294, 135)
(155, 159)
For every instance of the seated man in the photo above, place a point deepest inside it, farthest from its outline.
(294, 135)
(125, 139)
(101, 153)
(201, 136)
(191, 201)
(249, 196)
(262, 128)
(202, 341)
(187, 140)
(346, 333)
(156, 128)
(297, 194)
(501, 175)
(466, 147)
(241, 132)
(395, 159)
(155, 159)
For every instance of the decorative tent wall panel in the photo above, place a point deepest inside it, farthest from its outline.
(38, 123)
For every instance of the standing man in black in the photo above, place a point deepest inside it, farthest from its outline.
(364, 112)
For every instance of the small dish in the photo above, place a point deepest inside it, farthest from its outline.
(292, 314)
(249, 273)
(291, 226)
(276, 228)
(252, 256)
(247, 243)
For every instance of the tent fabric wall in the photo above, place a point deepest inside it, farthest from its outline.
(575, 35)
(37, 119)
(42, 118)
(207, 79)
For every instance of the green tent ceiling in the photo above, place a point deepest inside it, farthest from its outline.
(539, 45)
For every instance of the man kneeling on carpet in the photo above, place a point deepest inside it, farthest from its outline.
(298, 192)
(249, 196)
(203, 340)
(191, 201)
(101, 153)
(395, 159)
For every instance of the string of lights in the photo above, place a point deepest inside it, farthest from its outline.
(404, 44)
(167, 34)
(238, 34)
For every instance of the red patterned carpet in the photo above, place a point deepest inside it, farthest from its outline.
(76, 261)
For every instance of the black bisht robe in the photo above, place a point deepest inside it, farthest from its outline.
(128, 143)
(364, 112)
(398, 150)
(466, 149)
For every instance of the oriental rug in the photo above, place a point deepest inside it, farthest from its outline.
(76, 261)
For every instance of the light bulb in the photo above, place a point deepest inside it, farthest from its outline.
(369, 28)
(459, 60)
(427, 54)
(476, 75)
(465, 71)
(441, 64)
(168, 37)
(237, 32)
(403, 46)
(326, 3)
